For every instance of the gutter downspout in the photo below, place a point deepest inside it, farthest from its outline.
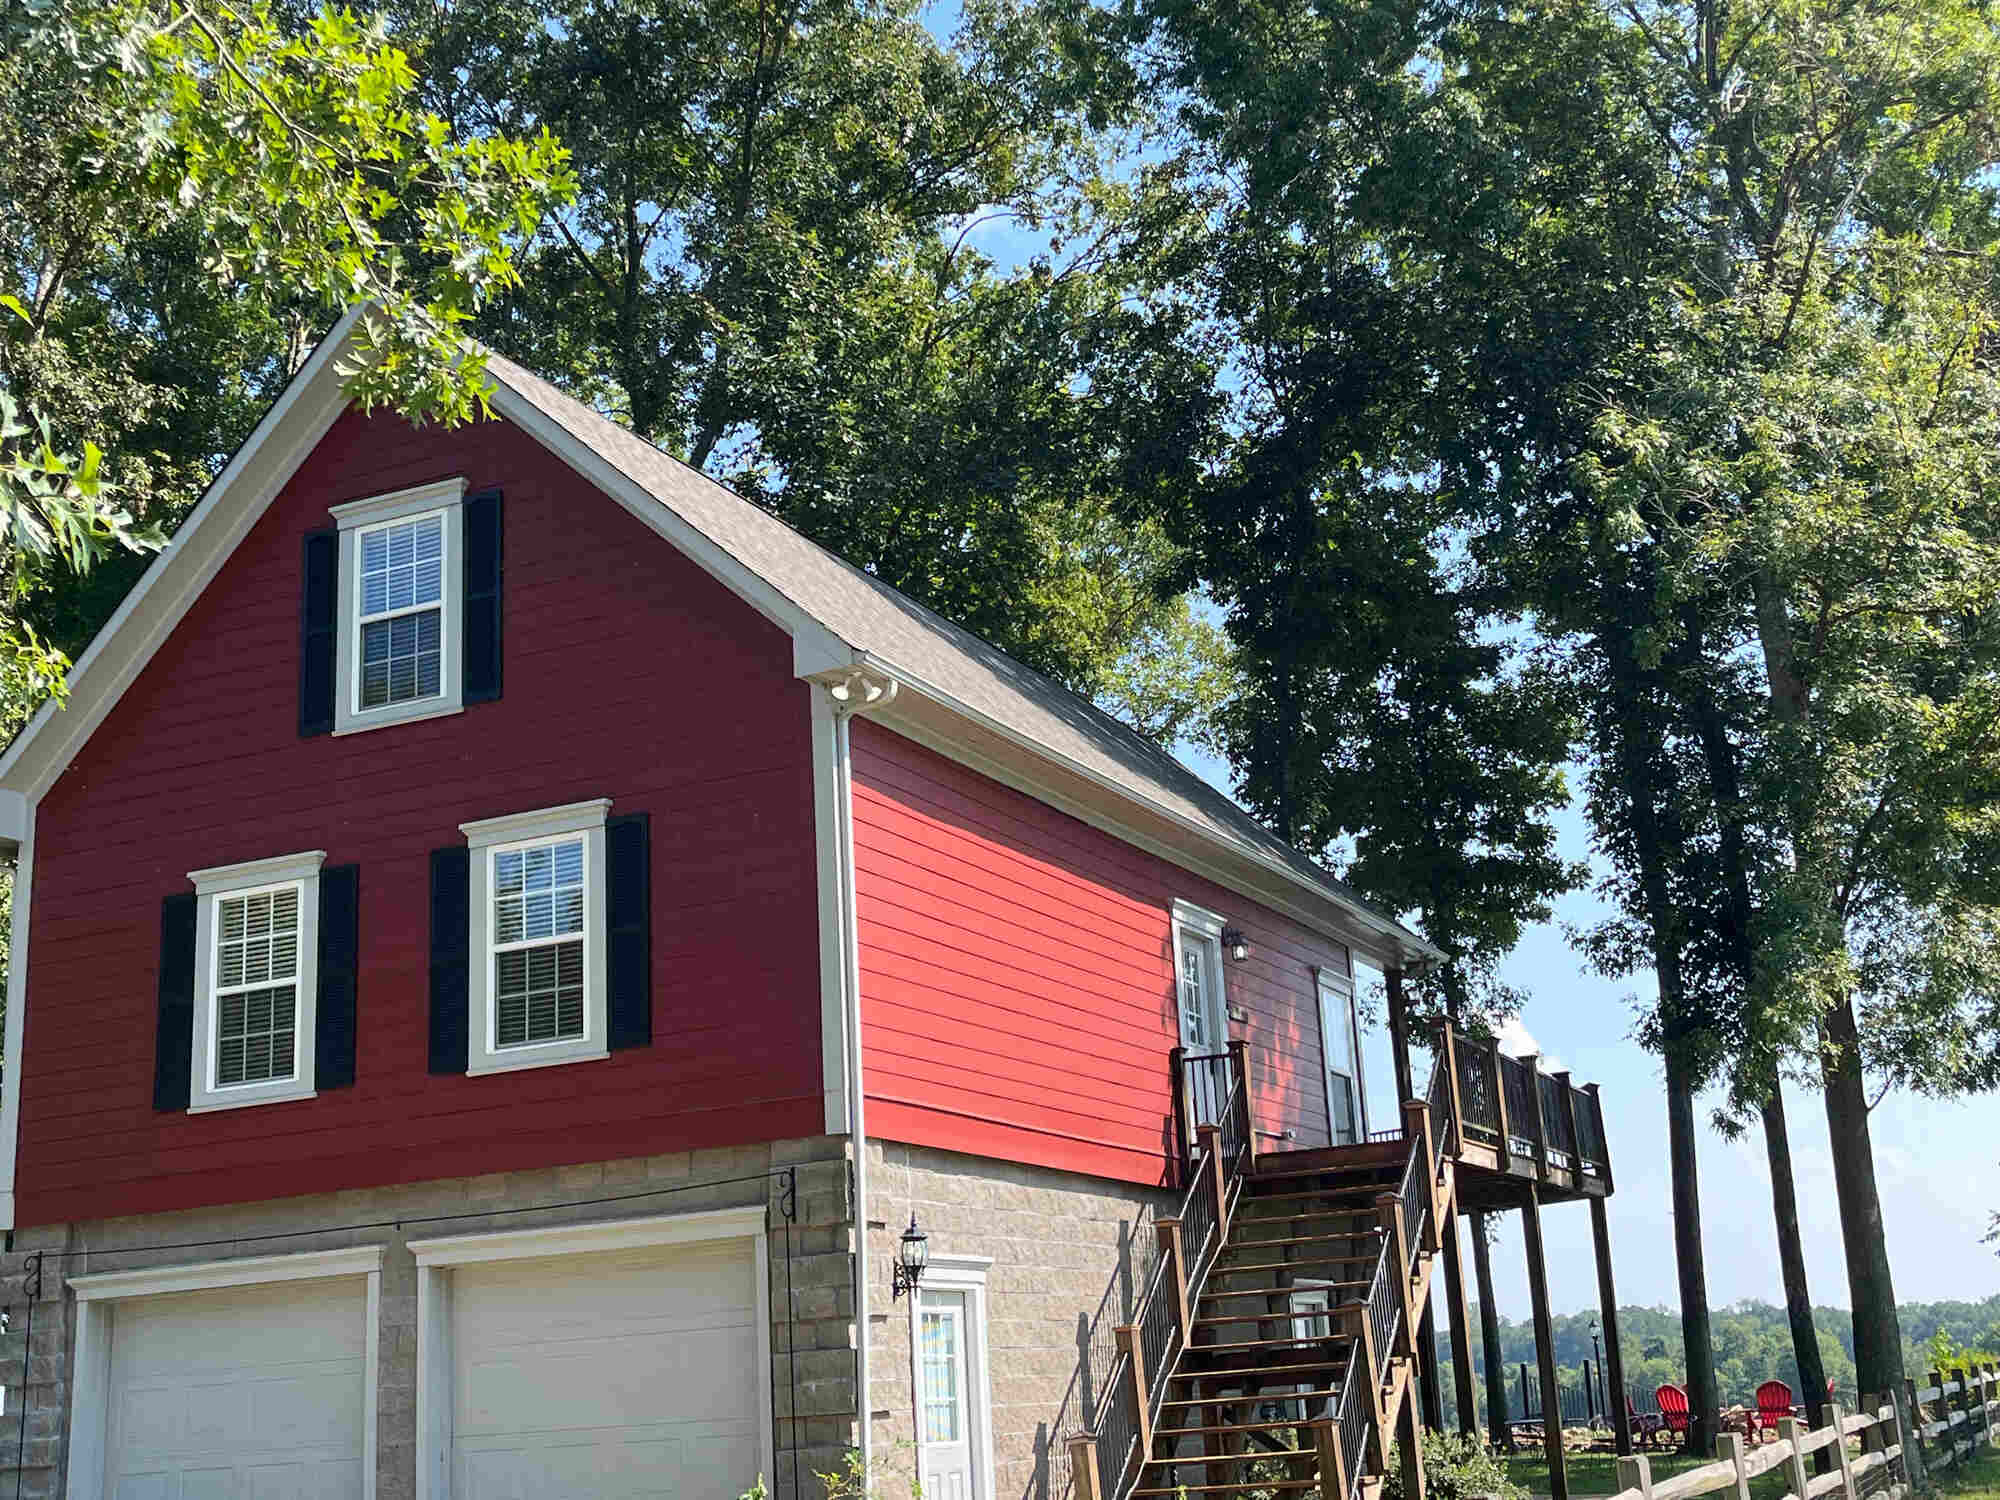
(852, 692)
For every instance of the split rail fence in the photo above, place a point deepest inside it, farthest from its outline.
(1879, 1470)
(1956, 1415)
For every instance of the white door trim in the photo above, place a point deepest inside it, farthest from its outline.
(436, 1259)
(1323, 979)
(97, 1299)
(967, 1274)
(1199, 919)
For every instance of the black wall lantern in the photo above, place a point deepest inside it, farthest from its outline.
(913, 1253)
(1236, 943)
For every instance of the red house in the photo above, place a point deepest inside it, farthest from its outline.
(515, 949)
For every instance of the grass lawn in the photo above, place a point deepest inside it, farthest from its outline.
(1597, 1474)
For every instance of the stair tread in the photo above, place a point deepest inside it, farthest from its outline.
(1281, 1265)
(1292, 1174)
(1316, 1285)
(1271, 1426)
(1265, 1372)
(1227, 1489)
(1305, 1239)
(1293, 1341)
(1228, 1320)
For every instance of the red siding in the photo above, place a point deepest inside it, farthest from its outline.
(1017, 976)
(629, 674)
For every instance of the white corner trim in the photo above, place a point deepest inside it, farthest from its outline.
(265, 463)
(251, 872)
(436, 495)
(14, 814)
(581, 1239)
(830, 789)
(17, 1020)
(544, 823)
(207, 1275)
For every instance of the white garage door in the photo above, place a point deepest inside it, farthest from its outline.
(612, 1375)
(248, 1393)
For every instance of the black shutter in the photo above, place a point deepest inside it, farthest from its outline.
(451, 939)
(319, 599)
(173, 1049)
(339, 969)
(628, 914)
(481, 663)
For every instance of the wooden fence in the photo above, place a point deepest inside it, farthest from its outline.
(1956, 1415)
(1877, 1472)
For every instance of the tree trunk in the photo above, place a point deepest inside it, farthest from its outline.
(1878, 1338)
(1704, 1403)
(1497, 1427)
(1792, 1258)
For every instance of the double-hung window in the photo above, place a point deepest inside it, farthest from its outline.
(256, 953)
(402, 587)
(1339, 1041)
(537, 986)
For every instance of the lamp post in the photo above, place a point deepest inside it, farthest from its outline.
(1597, 1356)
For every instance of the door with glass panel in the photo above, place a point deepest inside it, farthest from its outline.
(1204, 1029)
(944, 1408)
(1343, 1078)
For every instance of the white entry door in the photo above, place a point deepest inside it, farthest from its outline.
(1203, 1013)
(242, 1393)
(611, 1375)
(944, 1404)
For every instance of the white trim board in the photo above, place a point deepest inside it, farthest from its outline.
(97, 1299)
(437, 1258)
(17, 1018)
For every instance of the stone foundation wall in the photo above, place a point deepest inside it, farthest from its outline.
(813, 1384)
(1070, 1255)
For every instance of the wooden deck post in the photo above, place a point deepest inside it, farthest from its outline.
(1545, 1341)
(1506, 1150)
(1083, 1468)
(1461, 1328)
(1169, 1231)
(1540, 1134)
(1607, 1312)
(1410, 1448)
(1183, 1116)
(1211, 1158)
(1566, 1107)
(1332, 1470)
(1135, 1361)
(1448, 1060)
(1239, 1066)
(1362, 1331)
(1603, 1141)
(1417, 1127)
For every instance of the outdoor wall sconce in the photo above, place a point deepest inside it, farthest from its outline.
(913, 1253)
(1238, 945)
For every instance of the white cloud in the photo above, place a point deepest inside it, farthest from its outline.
(1517, 1041)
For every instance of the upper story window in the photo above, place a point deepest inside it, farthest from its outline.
(537, 981)
(256, 946)
(401, 607)
(1340, 1044)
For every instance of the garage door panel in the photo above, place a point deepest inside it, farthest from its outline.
(243, 1393)
(619, 1375)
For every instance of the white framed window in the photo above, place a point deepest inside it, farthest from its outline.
(537, 986)
(1203, 1006)
(256, 981)
(402, 583)
(950, 1376)
(1340, 1045)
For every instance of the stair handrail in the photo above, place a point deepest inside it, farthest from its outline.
(1148, 1346)
(1381, 1317)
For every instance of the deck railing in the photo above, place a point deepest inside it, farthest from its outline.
(1502, 1099)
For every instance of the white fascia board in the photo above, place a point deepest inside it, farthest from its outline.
(925, 714)
(296, 422)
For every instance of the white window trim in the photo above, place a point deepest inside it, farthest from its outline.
(437, 1258)
(967, 1274)
(97, 1299)
(1325, 979)
(491, 836)
(446, 498)
(301, 872)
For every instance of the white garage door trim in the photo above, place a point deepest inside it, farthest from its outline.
(436, 1259)
(97, 1299)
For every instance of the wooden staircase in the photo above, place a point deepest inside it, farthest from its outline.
(1295, 1358)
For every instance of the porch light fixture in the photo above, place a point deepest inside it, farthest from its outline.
(913, 1253)
(1236, 942)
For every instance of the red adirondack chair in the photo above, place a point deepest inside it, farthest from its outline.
(1673, 1407)
(1774, 1400)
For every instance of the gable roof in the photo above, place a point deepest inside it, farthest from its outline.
(956, 691)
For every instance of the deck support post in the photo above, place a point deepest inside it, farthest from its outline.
(1461, 1330)
(1399, 1033)
(1505, 1126)
(1135, 1362)
(1169, 1231)
(1607, 1312)
(1332, 1470)
(1410, 1449)
(1545, 1342)
(1540, 1134)
(1084, 1483)
(1498, 1430)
